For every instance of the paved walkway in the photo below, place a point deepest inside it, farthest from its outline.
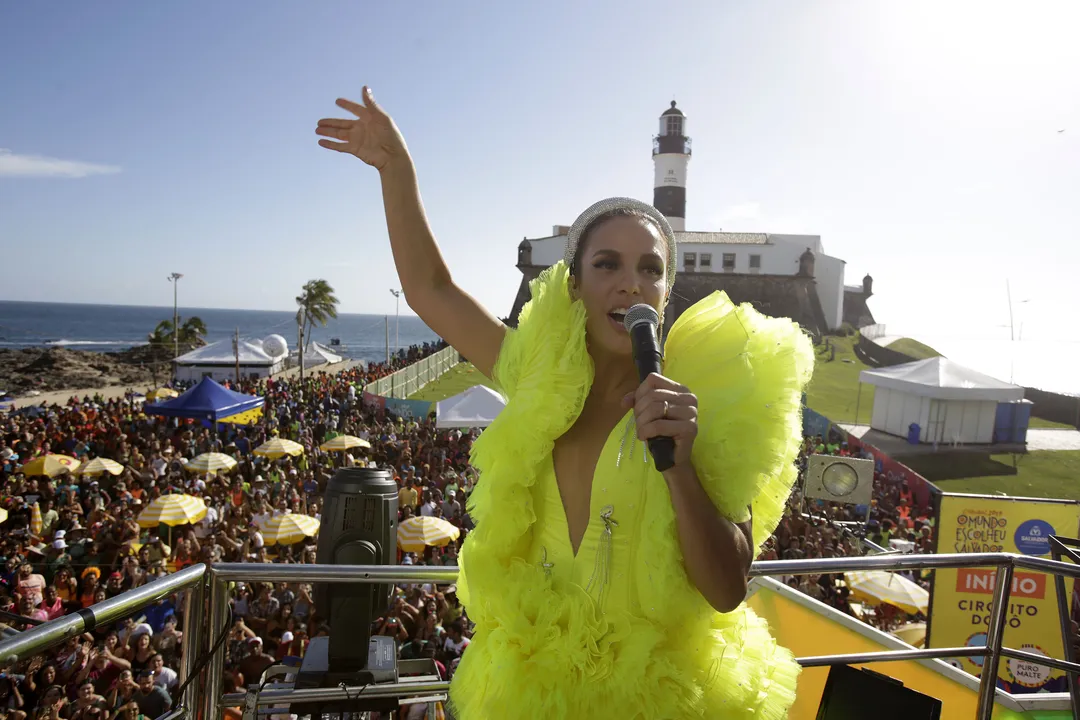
(1037, 439)
(1052, 439)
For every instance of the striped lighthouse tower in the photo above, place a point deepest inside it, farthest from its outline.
(671, 155)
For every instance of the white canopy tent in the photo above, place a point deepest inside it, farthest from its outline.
(218, 360)
(316, 354)
(950, 403)
(476, 407)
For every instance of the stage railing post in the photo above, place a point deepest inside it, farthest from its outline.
(215, 669)
(999, 615)
(1058, 548)
(193, 641)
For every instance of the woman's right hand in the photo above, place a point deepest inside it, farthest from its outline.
(372, 136)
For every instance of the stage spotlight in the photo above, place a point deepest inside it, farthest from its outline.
(839, 479)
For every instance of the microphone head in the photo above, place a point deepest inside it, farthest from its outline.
(641, 313)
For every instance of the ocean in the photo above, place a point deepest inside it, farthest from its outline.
(108, 328)
(1050, 362)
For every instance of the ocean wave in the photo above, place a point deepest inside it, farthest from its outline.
(66, 343)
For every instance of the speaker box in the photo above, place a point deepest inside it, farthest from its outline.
(359, 527)
(857, 694)
(839, 479)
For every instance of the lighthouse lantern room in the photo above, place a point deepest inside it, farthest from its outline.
(671, 156)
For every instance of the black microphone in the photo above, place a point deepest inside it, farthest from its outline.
(641, 322)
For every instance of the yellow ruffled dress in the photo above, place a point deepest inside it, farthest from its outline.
(618, 630)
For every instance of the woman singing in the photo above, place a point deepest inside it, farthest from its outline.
(601, 588)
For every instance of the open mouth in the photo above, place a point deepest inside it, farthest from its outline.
(617, 318)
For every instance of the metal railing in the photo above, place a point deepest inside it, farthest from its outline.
(37, 640)
(410, 379)
(200, 635)
(873, 332)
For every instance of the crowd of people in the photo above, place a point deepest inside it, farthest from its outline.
(71, 540)
(83, 543)
(812, 528)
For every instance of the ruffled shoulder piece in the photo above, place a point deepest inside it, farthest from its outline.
(748, 371)
(545, 371)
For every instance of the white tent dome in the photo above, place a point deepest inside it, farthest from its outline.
(275, 346)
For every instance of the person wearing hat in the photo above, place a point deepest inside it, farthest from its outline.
(451, 508)
(9, 460)
(576, 522)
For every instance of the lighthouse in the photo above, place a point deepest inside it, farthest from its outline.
(671, 155)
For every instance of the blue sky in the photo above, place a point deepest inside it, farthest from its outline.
(919, 139)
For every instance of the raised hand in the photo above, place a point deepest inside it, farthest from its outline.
(372, 136)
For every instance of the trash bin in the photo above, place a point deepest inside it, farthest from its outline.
(913, 434)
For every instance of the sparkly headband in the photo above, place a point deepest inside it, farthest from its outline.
(573, 238)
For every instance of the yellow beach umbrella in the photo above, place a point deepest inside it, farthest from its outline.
(421, 531)
(211, 462)
(99, 466)
(289, 528)
(173, 510)
(279, 447)
(344, 442)
(161, 394)
(879, 586)
(913, 634)
(50, 465)
(36, 522)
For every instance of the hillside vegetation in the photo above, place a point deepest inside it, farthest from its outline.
(913, 349)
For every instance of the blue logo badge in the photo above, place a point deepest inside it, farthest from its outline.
(1033, 537)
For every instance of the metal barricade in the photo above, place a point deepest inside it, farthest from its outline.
(215, 581)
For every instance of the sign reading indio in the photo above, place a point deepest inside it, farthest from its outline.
(962, 599)
(980, 580)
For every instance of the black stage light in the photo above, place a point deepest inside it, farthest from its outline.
(359, 527)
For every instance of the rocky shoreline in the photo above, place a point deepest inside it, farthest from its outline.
(48, 369)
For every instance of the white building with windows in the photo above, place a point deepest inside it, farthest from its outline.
(730, 253)
(709, 253)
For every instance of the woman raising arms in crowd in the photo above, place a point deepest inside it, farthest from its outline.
(599, 586)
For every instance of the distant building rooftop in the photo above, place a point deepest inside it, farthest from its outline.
(723, 238)
(716, 238)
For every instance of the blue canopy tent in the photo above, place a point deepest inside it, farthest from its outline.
(207, 401)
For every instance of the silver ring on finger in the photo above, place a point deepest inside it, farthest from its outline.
(665, 408)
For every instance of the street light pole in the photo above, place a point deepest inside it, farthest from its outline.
(397, 318)
(175, 280)
(301, 318)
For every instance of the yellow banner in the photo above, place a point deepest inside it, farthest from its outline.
(961, 599)
(245, 418)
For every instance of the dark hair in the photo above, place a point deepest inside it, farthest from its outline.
(575, 265)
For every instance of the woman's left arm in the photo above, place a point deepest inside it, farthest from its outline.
(716, 551)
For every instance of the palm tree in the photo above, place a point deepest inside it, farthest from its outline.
(191, 332)
(317, 304)
(162, 333)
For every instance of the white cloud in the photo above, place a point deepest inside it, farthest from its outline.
(15, 165)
